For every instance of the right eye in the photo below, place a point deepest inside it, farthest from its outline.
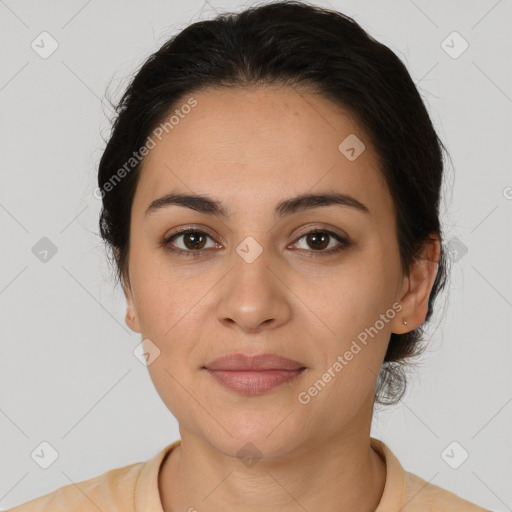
(193, 241)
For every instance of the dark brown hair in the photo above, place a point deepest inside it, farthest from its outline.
(298, 44)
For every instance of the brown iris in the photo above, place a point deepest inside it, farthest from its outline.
(319, 240)
(195, 238)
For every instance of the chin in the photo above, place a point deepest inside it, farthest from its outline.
(254, 436)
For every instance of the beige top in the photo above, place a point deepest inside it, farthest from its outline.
(134, 488)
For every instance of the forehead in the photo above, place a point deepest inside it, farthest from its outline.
(259, 145)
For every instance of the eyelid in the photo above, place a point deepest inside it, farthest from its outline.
(188, 229)
(323, 228)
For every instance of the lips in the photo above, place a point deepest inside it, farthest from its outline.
(254, 375)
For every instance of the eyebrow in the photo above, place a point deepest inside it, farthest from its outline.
(205, 204)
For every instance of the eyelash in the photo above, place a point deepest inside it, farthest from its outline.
(344, 243)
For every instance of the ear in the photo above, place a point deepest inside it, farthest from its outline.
(416, 288)
(131, 317)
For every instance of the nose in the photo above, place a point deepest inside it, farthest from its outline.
(253, 296)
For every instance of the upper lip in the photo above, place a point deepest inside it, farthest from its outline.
(257, 362)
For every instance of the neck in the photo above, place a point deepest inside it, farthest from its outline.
(329, 474)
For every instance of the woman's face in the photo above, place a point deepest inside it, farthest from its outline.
(258, 283)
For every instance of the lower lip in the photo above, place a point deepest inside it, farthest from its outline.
(254, 382)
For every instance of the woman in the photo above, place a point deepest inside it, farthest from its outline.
(270, 196)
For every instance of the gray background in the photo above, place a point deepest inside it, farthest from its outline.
(68, 375)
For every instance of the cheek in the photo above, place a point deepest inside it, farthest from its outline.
(171, 308)
(170, 318)
(162, 294)
(344, 301)
(356, 314)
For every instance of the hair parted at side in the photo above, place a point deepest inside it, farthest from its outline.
(296, 44)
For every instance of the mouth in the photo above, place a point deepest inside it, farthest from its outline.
(254, 375)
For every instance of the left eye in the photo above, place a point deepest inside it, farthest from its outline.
(319, 240)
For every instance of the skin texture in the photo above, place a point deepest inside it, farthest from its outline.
(250, 149)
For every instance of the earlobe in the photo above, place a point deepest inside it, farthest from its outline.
(131, 317)
(132, 320)
(420, 281)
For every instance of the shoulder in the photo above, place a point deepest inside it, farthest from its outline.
(114, 488)
(408, 492)
(422, 496)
